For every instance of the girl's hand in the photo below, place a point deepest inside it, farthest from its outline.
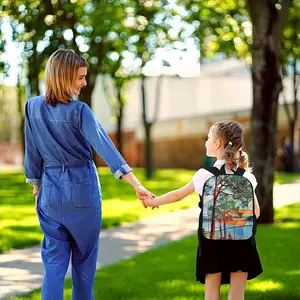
(149, 201)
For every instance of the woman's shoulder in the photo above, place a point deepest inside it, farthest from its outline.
(34, 102)
(34, 99)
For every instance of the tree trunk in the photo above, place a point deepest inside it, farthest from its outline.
(292, 125)
(213, 214)
(86, 93)
(268, 23)
(148, 148)
(147, 126)
(120, 120)
(33, 74)
(21, 115)
(295, 155)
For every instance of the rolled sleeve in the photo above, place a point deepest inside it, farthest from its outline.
(97, 137)
(122, 171)
(33, 162)
(34, 181)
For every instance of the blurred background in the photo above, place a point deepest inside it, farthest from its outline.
(161, 73)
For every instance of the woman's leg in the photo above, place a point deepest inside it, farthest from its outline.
(212, 286)
(55, 255)
(84, 251)
(237, 285)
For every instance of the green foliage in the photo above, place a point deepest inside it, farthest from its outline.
(221, 27)
(225, 27)
(291, 45)
(103, 32)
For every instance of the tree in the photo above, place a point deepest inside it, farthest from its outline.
(225, 27)
(290, 59)
(151, 25)
(88, 27)
(117, 98)
(268, 21)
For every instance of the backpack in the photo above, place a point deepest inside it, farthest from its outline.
(227, 206)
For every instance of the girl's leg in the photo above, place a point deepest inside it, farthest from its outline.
(212, 286)
(237, 285)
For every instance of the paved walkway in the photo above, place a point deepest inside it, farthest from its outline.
(21, 270)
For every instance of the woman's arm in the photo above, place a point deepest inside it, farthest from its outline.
(33, 162)
(172, 196)
(132, 180)
(98, 138)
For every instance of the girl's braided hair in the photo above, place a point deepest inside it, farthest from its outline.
(231, 133)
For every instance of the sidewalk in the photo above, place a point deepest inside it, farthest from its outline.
(22, 271)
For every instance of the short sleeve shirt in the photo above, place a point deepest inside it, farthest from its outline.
(202, 175)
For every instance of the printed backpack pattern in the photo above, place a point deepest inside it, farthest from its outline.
(228, 206)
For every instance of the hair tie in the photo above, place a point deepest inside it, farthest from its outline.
(229, 143)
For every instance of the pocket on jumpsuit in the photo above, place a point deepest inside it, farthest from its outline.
(43, 199)
(82, 195)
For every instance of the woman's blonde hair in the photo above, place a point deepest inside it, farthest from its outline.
(231, 133)
(60, 75)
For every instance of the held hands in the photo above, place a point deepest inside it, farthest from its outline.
(144, 194)
(149, 201)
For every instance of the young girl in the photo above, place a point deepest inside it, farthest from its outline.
(59, 136)
(221, 261)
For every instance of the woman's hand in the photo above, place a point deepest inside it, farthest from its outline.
(35, 193)
(36, 202)
(142, 193)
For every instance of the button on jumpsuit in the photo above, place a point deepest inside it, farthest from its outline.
(58, 157)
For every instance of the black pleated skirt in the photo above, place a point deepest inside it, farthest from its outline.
(226, 257)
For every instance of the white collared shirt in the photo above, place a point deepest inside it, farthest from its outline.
(202, 175)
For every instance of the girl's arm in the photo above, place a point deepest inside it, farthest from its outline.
(256, 207)
(172, 196)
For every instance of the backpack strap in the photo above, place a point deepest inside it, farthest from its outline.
(222, 171)
(213, 170)
(240, 171)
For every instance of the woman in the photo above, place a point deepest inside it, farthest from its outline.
(59, 134)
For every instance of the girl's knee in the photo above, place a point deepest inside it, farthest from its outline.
(238, 279)
(238, 282)
(212, 286)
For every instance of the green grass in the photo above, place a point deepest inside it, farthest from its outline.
(282, 178)
(168, 272)
(19, 226)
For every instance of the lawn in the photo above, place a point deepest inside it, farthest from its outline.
(19, 225)
(168, 272)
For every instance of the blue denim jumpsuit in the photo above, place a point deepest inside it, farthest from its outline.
(58, 157)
